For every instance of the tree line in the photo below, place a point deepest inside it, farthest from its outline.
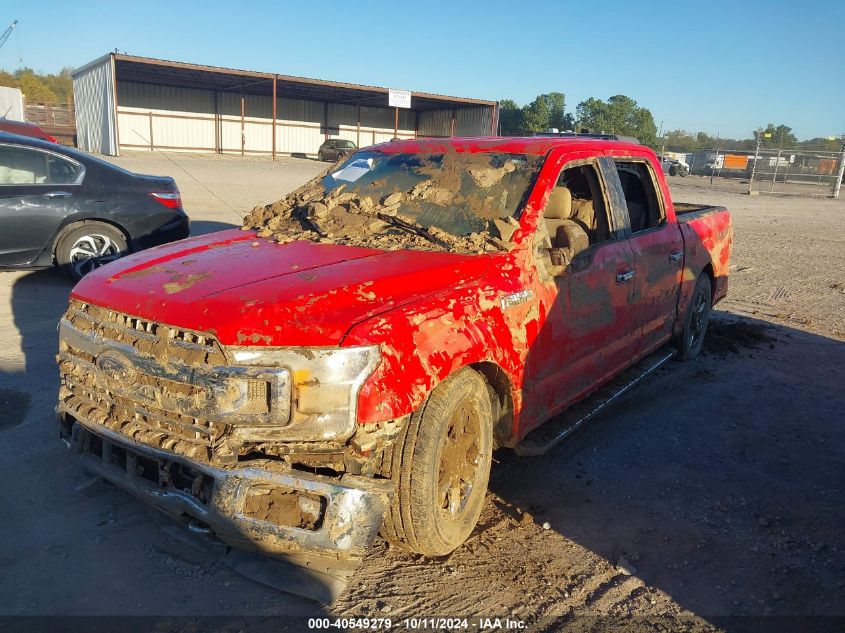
(771, 137)
(619, 115)
(38, 88)
(623, 116)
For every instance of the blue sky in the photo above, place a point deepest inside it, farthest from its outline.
(721, 67)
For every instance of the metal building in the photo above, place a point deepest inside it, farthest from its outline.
(136, 103)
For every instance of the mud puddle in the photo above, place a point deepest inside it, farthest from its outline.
(731, 337)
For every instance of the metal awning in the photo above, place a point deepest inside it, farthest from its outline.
(164, 72)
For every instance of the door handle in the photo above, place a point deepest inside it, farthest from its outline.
(621, 278)
(58, 194)
(673, 257)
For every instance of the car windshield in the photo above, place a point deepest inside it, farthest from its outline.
(454, 201)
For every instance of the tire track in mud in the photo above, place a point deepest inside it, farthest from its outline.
(511, 567)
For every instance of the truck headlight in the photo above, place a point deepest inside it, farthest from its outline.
(324, 385)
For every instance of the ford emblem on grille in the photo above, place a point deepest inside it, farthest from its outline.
(116, 366)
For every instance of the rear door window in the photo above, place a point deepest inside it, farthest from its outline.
(61, 171)
(25, 166)
(645, 208)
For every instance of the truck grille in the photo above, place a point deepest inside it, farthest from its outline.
(166, 343)
(122, 397)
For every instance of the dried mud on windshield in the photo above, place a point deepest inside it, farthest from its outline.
(450, 190)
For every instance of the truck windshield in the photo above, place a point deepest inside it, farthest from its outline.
(459, 193)
(452, 201)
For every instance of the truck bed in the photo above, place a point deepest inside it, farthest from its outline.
(708, 237)
(687, 211)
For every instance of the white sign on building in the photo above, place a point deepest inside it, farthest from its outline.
(399, 98)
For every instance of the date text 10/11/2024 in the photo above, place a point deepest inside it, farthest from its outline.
(423, 623)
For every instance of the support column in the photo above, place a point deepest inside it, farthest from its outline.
(452, 129)
(116, 114)
(358, 129)
(152, 145)
(243, 131)
(217, 130)
(274, 117)
(395, 122)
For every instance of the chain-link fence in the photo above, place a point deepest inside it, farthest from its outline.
(784, 171)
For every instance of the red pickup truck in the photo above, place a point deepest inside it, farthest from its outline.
(349, 360)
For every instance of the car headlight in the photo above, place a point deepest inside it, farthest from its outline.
(324, 385)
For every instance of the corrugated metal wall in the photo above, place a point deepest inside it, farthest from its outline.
(473, 121)
(93, 98)
(146, 117)
(435, 123)
(185, 119)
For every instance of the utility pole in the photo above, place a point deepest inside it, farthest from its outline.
(662, 140)
(716, 160)
(841, 171)
(756, 157)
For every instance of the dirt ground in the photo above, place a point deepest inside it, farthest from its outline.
(713, 490)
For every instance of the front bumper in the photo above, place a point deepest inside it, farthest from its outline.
(343, 514)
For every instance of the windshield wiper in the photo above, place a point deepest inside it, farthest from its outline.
(412, 228)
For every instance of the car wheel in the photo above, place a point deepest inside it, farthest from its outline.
(697, 317)
(441, 466)
(321, 156)
(673, 171)
(89, 245)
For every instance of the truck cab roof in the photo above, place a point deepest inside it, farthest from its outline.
(531, 145)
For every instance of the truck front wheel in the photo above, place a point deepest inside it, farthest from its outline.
(441, 466)
(695, 323)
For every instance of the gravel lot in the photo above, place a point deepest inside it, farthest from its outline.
(715, 489)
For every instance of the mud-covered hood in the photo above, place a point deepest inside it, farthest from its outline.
(251, 291)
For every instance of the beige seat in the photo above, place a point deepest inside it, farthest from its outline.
(584, 212)
(563, 230)
(558, 209)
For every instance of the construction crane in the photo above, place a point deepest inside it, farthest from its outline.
(7, 33)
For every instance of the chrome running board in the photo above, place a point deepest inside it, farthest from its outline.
(545, 437)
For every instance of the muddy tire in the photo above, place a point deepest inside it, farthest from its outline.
(695, 322)
(88, 245)
(441, 466)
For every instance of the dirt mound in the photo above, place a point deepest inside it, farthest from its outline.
(729, 337)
